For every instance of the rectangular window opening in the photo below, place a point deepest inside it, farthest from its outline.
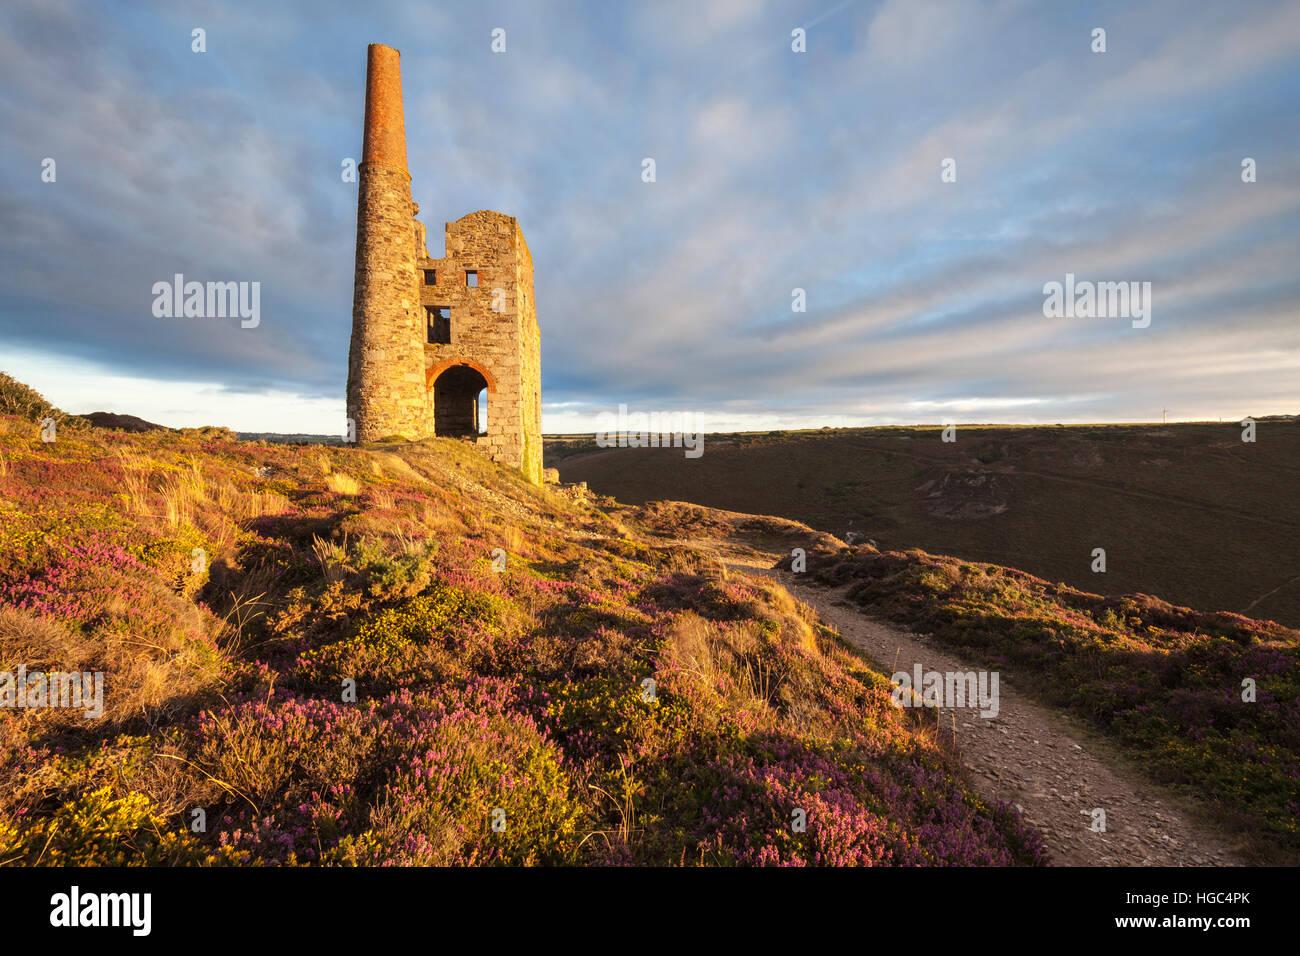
(471, 277)
(430, 277)
(439, 318)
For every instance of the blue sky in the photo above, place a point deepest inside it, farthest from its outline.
(775, 170)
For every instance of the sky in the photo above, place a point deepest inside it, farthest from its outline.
(775, 170)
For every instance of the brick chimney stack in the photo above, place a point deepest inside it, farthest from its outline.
(386, 384)
(385, 136)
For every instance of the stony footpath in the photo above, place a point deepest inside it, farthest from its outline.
(1054, 770)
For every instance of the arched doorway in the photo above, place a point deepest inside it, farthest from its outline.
(456, 402)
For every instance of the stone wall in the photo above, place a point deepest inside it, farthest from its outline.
(502, 344)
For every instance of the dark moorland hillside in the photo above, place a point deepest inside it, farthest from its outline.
(1190, 513)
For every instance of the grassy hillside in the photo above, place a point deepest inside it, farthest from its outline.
(1165, 682)
(1186, 512)
(309, 650)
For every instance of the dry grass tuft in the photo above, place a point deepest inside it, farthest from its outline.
(136, 481)
(796, 618)
(396, 467)
(342, 484)
(692, 640)
(183, 493)
(331, 557)
(143, 678)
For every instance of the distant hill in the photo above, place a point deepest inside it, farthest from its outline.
(1188, 512)
(125, 423)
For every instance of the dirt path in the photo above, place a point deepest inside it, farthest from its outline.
(1053, 769)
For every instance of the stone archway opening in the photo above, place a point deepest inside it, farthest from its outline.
(458, 407)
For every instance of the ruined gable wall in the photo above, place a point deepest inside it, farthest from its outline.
(503, 343)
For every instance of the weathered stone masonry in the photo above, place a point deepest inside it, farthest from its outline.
(428, 335)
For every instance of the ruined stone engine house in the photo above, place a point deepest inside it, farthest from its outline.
(431, 335)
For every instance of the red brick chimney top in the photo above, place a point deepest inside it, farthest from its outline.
(385, 137)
